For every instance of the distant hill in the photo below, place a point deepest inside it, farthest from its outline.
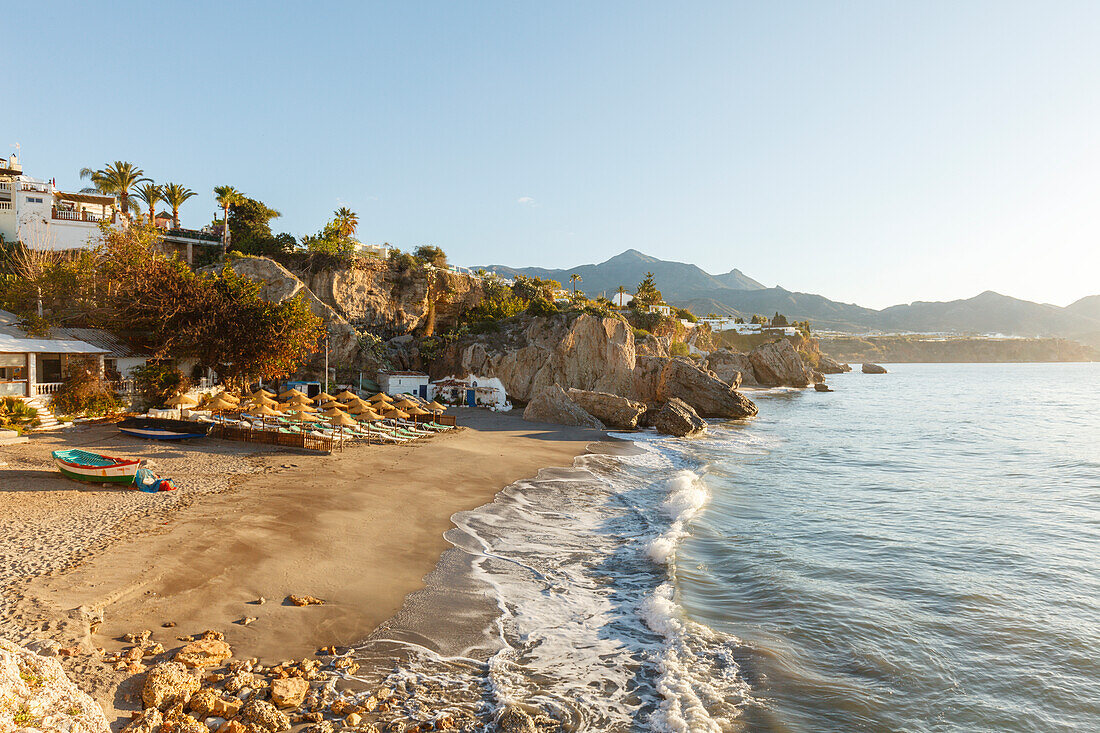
(737, 294)
(677, 280)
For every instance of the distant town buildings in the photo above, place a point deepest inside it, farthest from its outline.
(729, 323)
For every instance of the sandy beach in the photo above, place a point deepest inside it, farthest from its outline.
(359, 529)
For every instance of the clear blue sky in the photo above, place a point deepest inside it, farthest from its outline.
(875, 152)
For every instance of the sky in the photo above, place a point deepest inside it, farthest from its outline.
(873, 152)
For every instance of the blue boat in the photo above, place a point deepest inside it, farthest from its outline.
(158, 428)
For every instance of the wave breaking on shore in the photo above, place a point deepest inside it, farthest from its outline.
(559, 598)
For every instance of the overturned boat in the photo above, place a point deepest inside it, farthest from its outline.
(159, 428)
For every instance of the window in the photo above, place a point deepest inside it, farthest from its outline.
(34, 199)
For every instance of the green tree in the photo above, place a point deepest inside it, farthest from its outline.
(535, 288)
(347, 221)
(431, 255)
(573, 280)
(621, 292)
(117, 179)
(151, 194)
(647, 292)
(176, 196)
(757, 318)
(226, 196)
(250, 229)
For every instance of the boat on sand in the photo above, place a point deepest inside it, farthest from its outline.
(82, 465)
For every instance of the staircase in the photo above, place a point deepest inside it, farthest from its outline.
(46, 419)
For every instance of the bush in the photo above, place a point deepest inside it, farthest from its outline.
(679, 348)
(158, 383)
(17, 414)
(84, 393)
(686, 315)
(641, 334)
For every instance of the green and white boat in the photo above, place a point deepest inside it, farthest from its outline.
(82, 465)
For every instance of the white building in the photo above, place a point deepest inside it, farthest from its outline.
(622, 299)
(373, 250)
(404, 383)
(36, 213)
(661, 308)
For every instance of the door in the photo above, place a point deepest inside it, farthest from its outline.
(423, 391)
(471, 398)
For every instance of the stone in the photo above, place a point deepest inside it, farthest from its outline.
(873, 369)
(707, 395)
(676, 417)
(304, 600)
(732, 367)
(206, 703)
(323, 726)
(828, 365)
(553, 405)
(204, 653)
(818, 377)
(778, 364)
(353, 719)
(232, 726)
(611, 410)
(514, 720)
(822, 387)
(36, 694)
(176, 721)
(289, 693)
(148, 721)
(244, 680)
(265, 716)
(168, 683)
(44, 647)
(245, 621)
(140, 638)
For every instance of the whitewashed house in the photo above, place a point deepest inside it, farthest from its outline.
(36, 213)
(661, 308)
(393, 382)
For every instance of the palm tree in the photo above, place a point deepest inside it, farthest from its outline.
(226, 197)
(175, 196)
(151, 194)
(116, 179)
(575, 278)
(347, 221)
(621, 292)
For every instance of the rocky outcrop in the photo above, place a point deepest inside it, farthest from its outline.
(553, 405)
(869, 368)
(677, 418)
(204, 653)
(778, 364)
(732, 367)
(613, 411)
(289, 693)
(828, 365)
(35, 694)
(167, 684)
(822, 387)
(278, 284)
(707, 395)
(588, 353)
(264, 716)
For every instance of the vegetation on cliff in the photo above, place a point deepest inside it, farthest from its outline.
(917, 348)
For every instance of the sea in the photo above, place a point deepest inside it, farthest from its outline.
(914, 551)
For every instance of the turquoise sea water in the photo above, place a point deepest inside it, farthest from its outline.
(916, 551)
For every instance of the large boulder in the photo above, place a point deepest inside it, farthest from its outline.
(708, 395)
(778, 364)
(35, 694)
(677, 418)
(829, 365)
(167, 684)
(612, 410)
(732, 367)
(873, 369)
(553, 405)
(589, 353)
(289, 692)
(204, 653)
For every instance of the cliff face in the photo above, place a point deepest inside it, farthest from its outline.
(376, 298)
(587, 353)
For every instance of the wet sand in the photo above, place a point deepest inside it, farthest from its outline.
(359, 529)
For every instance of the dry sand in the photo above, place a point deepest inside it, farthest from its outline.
(359, 529)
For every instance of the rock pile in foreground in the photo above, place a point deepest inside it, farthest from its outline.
(36, 695)
(201, 688)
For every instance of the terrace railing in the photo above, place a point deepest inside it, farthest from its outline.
(46, 388)
(68, 215)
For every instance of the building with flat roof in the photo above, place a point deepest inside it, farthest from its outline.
(36, 213)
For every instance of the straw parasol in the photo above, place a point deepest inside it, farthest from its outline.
(333, 412)
(396, 414)
(434, 406)
(299, 399)
(183, 401)
(346, 395)
(361, 409)
(404, 403)
(418, 410)
(380, 397)
(323, 397)
(261, 411)
(303, 416)
(301, 407)
(333, 403)
(291, 393)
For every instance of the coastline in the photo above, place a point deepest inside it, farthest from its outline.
(360, 529)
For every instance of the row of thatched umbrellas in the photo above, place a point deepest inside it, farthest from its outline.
(337, 409)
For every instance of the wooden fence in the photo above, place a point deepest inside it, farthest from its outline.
(267, 437)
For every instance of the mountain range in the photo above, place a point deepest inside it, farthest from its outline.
(735, 293)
